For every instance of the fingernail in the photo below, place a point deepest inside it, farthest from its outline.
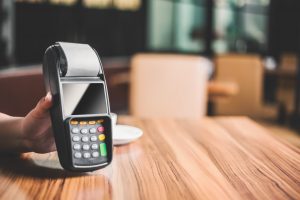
(48, 97)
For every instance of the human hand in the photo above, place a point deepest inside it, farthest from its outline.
(36, 128)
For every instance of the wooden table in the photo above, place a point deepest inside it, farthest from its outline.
(215, 158)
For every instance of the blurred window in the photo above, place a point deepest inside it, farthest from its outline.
(179, 25)
(240, 25)
(176, 25)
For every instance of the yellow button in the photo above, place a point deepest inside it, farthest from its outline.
(83, 122)
(73, 122)
(92, 122)
(100, 121)
(101, 137)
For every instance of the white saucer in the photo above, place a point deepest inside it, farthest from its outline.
(123, 134)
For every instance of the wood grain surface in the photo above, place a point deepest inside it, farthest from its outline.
(215, 158)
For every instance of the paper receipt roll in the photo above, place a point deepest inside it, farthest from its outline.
(82, 60)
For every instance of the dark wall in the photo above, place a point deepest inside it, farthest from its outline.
(38, 26)
(109, 31)
(3, 59)
(284, 30)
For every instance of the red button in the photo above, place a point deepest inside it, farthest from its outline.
(100, 129)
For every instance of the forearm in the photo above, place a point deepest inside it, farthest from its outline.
(11, 137)
(30, 133)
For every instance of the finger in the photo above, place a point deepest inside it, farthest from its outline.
(41, 109)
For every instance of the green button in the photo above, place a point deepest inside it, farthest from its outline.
(103, 149)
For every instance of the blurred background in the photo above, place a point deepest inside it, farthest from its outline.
(249, 50)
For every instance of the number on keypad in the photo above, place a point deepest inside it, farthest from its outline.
(94, 146)
(85, 139)
(76, 138)
(75, 130)
(84, 131)
(95, 154)
(94, 138)
(87, 155)
(77, 155)
(76, 146)
(86, 147)
(93, 130)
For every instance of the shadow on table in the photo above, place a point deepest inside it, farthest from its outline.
(23, 166)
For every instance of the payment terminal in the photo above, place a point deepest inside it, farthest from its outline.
(80, 114)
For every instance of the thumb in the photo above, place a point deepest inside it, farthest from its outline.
(42, 108)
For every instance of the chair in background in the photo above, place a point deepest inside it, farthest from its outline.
(247, 72)
(20, 90)
(220, 90)
(287, 82)
(164, 85)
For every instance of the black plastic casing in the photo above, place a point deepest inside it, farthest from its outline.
(54, 60)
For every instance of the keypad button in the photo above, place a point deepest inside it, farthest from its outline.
(95, 154)
(100, 121)
(75, 138)
(101, 137)
(92, 122)
(100, 129)
(75, 130)
(84, 131)
(93, 138)
(77, 155)
(86, 147)
(94, 146)
(103, 149)
(85, 139)
(86, 155)
(83, 123)
(76, 146)
(93, 130)
(74, 122)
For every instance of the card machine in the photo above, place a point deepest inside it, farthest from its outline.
(80, 113)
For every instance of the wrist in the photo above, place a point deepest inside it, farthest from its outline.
(11, 137)
(24, 141)
(21, 140)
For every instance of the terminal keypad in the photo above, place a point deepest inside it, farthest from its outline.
(88, 140)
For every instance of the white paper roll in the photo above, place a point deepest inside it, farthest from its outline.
(82, 60)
